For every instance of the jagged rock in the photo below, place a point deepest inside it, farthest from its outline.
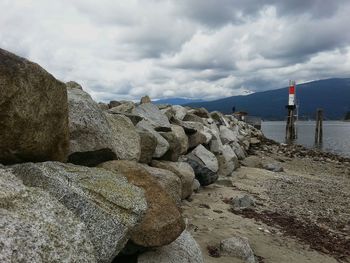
(227, 135)
(162, 223)
(109, 206)
(182, 170)
(238, 150)
(127, 140)
(201, 112)
(33, 112)
(228, 161)
(162, 145)
(183, 249)
(103, 106)
(204, 175)
(125, 107)
(114, 103)
(168, 112)
(148, 145)
(151, 113)
(145, 99)
(169, 181)
(135, 119)
(193, 118)
(237, 247)
(35, 227)
(178, 143)
(208, 158)
(196, 139)
(180, 112)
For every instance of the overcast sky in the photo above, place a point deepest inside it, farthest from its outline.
(182, 48)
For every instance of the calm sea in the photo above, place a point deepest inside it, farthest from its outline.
(336, 135)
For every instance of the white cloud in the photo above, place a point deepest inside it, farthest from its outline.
(194, 49)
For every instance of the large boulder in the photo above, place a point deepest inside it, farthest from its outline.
(203, 174)
(162, 145)
(163, 222)
(108, 205)
(35, 227)
(184, 249)
(183, 170)
(151, 113)
(178, 143)
(126, 138)
(228, 161)
(228, 135)
(180, 112)
(148, 145)
(168, 180)
(33, 112)
(207, 157)
(196, 139)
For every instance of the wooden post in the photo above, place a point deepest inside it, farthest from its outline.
(290, 128)
(319, 126)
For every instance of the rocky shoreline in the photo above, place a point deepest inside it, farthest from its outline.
(83, 181)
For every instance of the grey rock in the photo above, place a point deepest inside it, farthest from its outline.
(103, 106)
(196, 139)
(145, 99)
(35, 227)
(151, 113)
(200, 112)
(162, 145)
(204, 175)
(183, 171)
(114, 103)
(184, 249)
(126, 139)
(239, 151)
(169, 181)
(274, 167)
(242, 202)
(180, 112)
(228, 161)
(237, 247)
(252, 161)
(193, 118)
(73, 85)
(174, 150)
(207, 157)
(125, 106)
(227, 135)
(108, 205)
(168, 112)
(33, 112)
(135, 119)
(196, 185)
(148, 145)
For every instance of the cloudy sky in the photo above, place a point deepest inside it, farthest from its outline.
(181, 48)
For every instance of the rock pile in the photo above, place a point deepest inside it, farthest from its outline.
(129, 167)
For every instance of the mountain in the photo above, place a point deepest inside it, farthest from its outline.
(177, 101)
(333, 95)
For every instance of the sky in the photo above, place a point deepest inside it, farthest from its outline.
(208, 49)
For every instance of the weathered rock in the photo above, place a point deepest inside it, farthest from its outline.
(126, 139)
(208, 158)
(180, 112)
(181, 137)
(73, 85)
(108, 205)
(227, 135)
(148, 145)
(228, 161)
(103, 106)
(252, 161)
(274, 167)
(239, 151)
(208, 134)
(151, 113)
(196, 139)
(174, 146)
(193, 118)
(242, 202)
(183, 249)
(91, 140)
(219, 118)
(114, 103)
(35, 227)
(33, 112)
(162, 223)
(168, 112)
(201, 112)
(124, 106)
(182, 170)
(204, 175)
(237, 247)
(196, 185)
(169, 181)
(135, 119)
(254, 141)
(145, 99)
(162, 145)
